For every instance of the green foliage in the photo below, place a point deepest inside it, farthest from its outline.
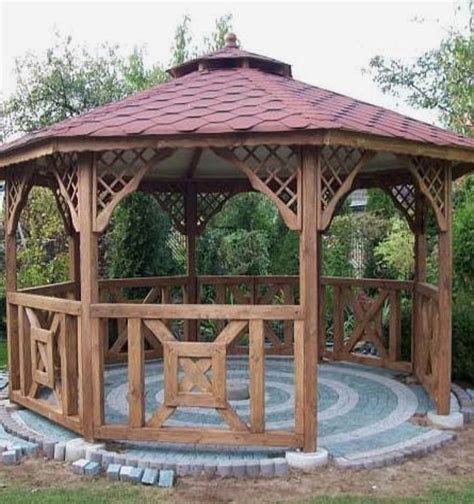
(463, 337)
(396, 251)
(245, 253)
(137, 240)
(42, 251)
(440, 79)
(463, 245)
(69, 79)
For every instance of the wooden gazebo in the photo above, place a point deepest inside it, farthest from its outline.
(227, 122)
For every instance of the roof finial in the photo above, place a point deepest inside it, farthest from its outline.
(230, 40)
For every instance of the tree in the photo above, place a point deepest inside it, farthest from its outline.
(69, 80)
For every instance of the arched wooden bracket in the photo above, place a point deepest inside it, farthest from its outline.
(65, 169)
(403, 197)
(118, 173)
(172, 202)
(339, 166)
(64, 211)
(433, 177)
(17, 189)
(274, 171)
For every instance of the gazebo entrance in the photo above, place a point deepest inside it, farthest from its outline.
(228, 123)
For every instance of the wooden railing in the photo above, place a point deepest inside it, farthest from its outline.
(365, 325)
(427, 331)
(47, 336)
(195, 372)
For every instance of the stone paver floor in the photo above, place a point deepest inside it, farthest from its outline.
(363, 412)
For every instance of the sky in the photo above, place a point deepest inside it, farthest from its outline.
(328, 43)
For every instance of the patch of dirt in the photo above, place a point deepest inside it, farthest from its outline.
(449, 467)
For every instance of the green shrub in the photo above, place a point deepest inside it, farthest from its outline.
(463, 336)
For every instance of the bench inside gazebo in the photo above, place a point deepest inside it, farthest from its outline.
(227, 123)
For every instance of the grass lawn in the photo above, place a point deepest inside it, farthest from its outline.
(123, 493)
(3, 353)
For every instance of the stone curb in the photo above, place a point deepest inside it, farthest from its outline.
(399, 456)
(466, 402)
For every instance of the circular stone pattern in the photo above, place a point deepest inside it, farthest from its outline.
(362, 412)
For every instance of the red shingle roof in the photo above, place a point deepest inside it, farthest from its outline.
(235, 91)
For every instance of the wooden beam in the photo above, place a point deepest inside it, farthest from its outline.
(194, 162)
(91, 407)
(309, 290)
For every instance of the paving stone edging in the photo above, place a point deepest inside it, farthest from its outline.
(466, 402)
(100, 458)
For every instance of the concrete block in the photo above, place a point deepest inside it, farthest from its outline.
(252, 468)
(31, 450)
(125, 473)
(95, 456)
(131, 461)
(92, 469)
(59, 451)
(166, 478)
(239, 469)
(196, 469)
(113, 472)
(119, 459)
(150, 476)
(281, 466)
(307, 461)
(454, 420)
(136, 475)
(79, 466)
(76, 448)
(267, 468)
(48, 449)
(183, 469)
(10, 457)
(224, 469)
(210, 468)
(143, 463)
(107, 458)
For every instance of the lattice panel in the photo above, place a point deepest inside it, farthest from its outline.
(434, 178)
(273, 170)
(173, 203)
(208, 205)
(66, 170)
(118, 173)
(18, 187)
(403, 197)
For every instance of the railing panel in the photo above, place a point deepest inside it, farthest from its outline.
(48, 340)
(366, 321)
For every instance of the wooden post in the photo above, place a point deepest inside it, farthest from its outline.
(91, 377)
(191, 232)
(136, 374)
(75, 263)
(12, 311)
(420, 276)
(309, 290)
(445, 272)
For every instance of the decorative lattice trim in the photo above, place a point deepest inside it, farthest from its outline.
(118, 173)
(434, 179)
(17, 190)
(65, 168)
(274, 171)
(64, 210)
(173, 203)
(339, 167)
(209, 204)
(404, 197)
